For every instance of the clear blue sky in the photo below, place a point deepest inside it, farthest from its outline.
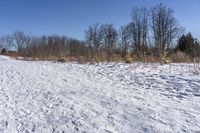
(72, 17)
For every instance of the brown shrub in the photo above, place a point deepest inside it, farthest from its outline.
(62, 59)
(128, 59)
(180, 57)
(71, 58)
(153, 59)
(82, 60)
(116, 58)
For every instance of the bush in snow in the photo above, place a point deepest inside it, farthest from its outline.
(165, 59)
(180, 57)
(61, 59)
(128, 59)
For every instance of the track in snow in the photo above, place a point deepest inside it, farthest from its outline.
(47, 97)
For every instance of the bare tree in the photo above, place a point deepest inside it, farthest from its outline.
(93, 37)
(164, 26)
(2, 42)
(20, 39)
(7, 42)
(124, 40)
(110, 38)
(139, 28)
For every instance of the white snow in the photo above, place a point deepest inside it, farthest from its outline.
(48, 97)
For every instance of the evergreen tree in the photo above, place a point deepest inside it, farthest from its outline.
(186, 44)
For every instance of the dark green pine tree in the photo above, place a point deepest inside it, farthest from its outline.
(186, 44)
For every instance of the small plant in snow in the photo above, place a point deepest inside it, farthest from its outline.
(165, 59)
(196, 69)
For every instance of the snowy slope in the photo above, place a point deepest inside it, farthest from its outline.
(47, 97)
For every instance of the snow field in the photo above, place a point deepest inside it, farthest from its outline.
(47, 97)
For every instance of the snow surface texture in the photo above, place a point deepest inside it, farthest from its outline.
(47, 97)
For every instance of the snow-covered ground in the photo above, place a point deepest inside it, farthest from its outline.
(47, 97)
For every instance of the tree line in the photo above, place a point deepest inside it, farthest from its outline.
(151, 33)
